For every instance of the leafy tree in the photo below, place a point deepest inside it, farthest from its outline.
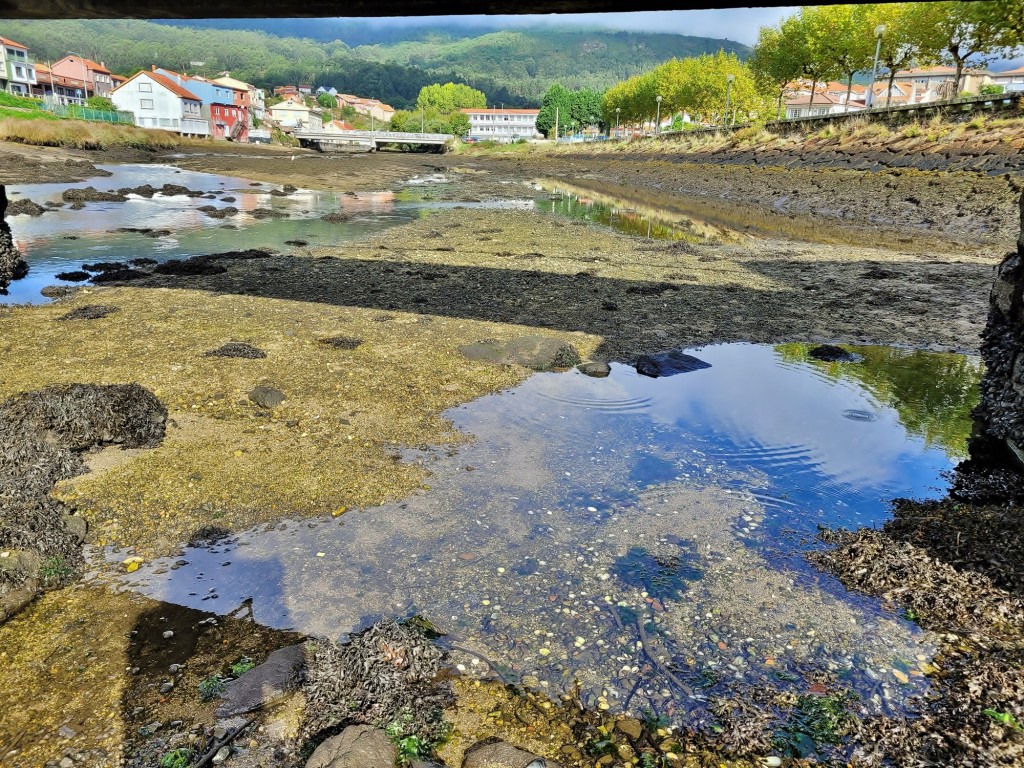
(905, 41)
(556, 103)
(327, 101)
(100, 102)
(450, 97)
(817, 47)
(774, 63)
(841, 34)
(958, 31)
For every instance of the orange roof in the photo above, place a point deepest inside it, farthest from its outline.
(166, 82)
(96, 67)
(819, 98)
(13, 44)
(926, 71)
(1009, 72)
(342, 125)
(500, 111)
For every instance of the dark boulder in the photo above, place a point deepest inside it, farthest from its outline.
(264, 685)
(830, 353)
(668, 364)
(92, 195)
(194, 265)
(267, 397)
(74, 276)
(25, 207)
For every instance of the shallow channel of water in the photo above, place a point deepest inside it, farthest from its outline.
(642, 538)
(63, 239)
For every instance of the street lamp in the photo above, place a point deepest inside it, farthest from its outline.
(728, 96)
(85, 76)
(879, 31)
(617, 110)
(657, 121)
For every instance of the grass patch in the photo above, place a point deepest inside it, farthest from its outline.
(242, 666)
(211, 688)
(10, 100)
(20, 114)
(33, 128)
(178, 758)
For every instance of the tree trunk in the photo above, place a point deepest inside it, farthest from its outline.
(959, 74)
(778, 112)
(849, 90)
(814, 84)
(888, 93)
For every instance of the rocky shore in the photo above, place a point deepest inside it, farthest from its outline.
(290, 383)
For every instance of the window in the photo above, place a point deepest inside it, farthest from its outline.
(145, 87)
(145, 104)
(19, 71)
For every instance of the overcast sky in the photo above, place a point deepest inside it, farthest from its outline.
(738, 24)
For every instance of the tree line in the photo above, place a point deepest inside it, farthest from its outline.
(839, 42)
(821, 44)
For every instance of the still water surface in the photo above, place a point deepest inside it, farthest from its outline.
(641, 537)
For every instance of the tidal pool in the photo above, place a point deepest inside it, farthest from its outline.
(63, 239)
(637, 541)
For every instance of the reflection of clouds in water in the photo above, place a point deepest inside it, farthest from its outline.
(754, 401)
(527, 540)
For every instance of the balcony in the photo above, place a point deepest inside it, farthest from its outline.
(193, 127)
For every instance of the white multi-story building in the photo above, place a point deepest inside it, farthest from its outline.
(502, 125)
(159, 102)
(17, 73)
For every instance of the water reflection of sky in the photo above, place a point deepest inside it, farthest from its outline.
(62, 239)
(737, 463)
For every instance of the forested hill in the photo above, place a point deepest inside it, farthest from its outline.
(527, 61)
(510, 67)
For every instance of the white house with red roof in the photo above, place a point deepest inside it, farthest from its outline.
(99, 81)
(502, 125)
(17, 73)
(159, 102)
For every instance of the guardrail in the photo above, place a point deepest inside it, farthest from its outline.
(999, 101)
(75, 112)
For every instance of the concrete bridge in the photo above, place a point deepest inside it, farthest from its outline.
(327, 141)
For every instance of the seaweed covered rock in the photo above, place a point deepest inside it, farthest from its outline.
(79, 416)
(999, 418)
(12, 265)
(386, 676)
(40, 435)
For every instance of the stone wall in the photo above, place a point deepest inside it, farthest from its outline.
(999, 418)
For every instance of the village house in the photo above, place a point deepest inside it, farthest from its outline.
(936, 83)
(374, 108)
(222, 105)
(306, 90)
(1012, 80)
(17, 72)
(502, 125)
(293, 115)
(336, 126)
(57, 89)
(284, 91)
(159, 102)
(98, 79)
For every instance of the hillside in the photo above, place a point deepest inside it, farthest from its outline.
(511, 67)
(266, 60)
(526, 60)
(529, 60)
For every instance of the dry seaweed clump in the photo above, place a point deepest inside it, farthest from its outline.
(932, 591)
(386, 676)
(974, 711)
(40, 434)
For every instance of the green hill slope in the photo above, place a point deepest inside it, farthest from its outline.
(527, 61)
(513, 67)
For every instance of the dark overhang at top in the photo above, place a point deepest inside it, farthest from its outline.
(232, 9)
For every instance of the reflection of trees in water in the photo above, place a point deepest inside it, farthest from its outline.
(933, 392)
